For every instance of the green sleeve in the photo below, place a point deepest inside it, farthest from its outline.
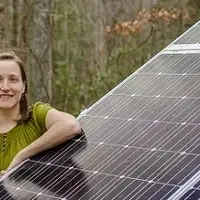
(40, 110)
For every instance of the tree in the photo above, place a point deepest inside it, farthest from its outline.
(40, 50)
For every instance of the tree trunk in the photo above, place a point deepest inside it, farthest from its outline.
(14, 24)
(41, 51)
(99, 33)
(2, 25)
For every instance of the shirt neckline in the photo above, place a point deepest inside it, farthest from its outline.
(9, 133)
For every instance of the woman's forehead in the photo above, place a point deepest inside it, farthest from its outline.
(9, 66)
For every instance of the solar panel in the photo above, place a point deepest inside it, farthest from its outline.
(190, 37)
(141, 142)
(191, 194)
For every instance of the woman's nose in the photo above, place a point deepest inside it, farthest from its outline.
(5, 86)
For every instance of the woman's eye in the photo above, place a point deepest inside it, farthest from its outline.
(13, 79)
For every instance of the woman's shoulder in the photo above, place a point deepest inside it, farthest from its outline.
(39, 108)
(38, 112)
(39, 105)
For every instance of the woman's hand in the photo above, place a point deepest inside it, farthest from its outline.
(16, 161)
(2, 173)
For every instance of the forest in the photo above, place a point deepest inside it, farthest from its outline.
(76, 51)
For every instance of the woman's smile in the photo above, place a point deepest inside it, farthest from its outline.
(5, 96)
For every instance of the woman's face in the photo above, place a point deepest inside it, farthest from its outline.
(11, 84)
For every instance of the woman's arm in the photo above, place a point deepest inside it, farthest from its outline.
(60, 128)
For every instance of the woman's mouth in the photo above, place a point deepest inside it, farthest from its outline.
(6, 96)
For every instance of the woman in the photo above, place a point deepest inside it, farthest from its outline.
(25, 132)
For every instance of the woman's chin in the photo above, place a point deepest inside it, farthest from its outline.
(6, 105)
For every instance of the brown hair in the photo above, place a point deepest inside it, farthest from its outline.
(24, 108)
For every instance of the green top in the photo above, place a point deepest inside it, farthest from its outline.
(23, 134)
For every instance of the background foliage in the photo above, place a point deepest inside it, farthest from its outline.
(77, 50)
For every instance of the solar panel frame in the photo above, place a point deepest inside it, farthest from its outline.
(185, 34)
(191, 37)
(192, 194)
(85, 114)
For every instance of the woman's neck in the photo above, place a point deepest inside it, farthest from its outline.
(8, 116)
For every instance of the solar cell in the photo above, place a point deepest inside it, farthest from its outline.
(190, 37)
(169, 63)
(141, 142)
(191, 195)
